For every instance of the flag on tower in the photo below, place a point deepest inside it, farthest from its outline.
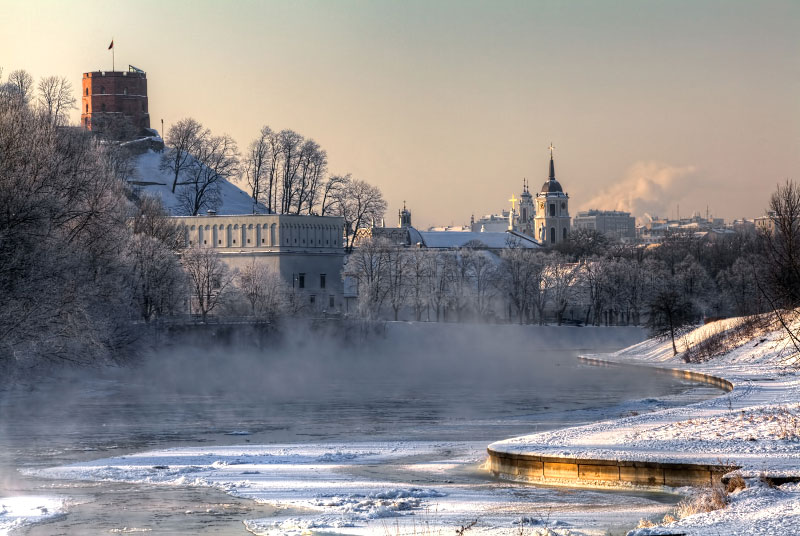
(111, 45)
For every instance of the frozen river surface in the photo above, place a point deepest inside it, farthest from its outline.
(318, 436)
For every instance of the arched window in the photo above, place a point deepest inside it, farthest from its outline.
(87, 91)
(102, 90)
(87, 108)
(103, 107)
(125, 91)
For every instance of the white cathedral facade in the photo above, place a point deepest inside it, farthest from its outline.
(545, 216)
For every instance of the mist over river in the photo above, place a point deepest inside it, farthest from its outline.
(411, 408)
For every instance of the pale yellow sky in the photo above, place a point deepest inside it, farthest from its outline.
(651, 104)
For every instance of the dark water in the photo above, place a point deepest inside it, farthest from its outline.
(417, 382)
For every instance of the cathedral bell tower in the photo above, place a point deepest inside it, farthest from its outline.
(552, 222)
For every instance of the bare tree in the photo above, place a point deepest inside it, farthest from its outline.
(562, 276)
(359, 204)
(483, 277)
(209, 278)
(263, 288)
(150, 218)
(21, 83)
(417, 279)
(259, 165)
(289, 145)
(183, 141)
(56, 98)
(740, 288)
(367, 265)
(398, 287)
(440, 264)
(216, 160)
(313, 166)
(330, 188)
(781, 244)
(157, 276)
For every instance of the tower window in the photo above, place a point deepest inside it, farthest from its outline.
(87, 108)
(565, 233)
(87, 91)
(552, 209)
(552, 235)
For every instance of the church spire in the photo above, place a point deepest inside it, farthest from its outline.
(552, 165)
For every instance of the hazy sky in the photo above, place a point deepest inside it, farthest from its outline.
(449, 104)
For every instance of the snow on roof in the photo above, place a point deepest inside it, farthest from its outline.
(457, 239)
(148, 178)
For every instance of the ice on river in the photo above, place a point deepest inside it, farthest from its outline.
(18, 511)
(364, 488)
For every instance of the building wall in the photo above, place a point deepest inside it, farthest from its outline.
(300, 248)
(105, 94)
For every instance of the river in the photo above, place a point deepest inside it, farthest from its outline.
(410, 409)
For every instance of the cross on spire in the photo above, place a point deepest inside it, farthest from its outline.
(513, 201)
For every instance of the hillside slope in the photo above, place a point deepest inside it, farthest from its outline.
(149, 179)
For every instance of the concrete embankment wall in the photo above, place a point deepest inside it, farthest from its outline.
(690, 375)
(558, 470)
(563, 470)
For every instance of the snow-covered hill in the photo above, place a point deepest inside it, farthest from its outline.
(148, 178)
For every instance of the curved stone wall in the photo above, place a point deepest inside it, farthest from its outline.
(577, 471)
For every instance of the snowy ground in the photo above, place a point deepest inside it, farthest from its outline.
(365, 488)
(755, 427)
(152, 180)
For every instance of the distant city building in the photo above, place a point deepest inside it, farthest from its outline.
(108, 96)
(653, 229)
(765, 224)
(613, 223)
(744, 226)
(491, 223)
(404, 235)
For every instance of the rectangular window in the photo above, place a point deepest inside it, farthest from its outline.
(552, 209)
(331, 301)
(301, 280)
(313, 299)
(321, 280)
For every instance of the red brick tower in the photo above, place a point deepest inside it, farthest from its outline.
(109, 95)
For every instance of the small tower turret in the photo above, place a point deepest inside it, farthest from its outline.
(404, 216)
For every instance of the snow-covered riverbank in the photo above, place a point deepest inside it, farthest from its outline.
(755, 427)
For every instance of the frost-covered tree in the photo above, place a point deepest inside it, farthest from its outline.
(56, 98)
(264, 290)
(482, 272)
(209, 278)
(367, 265)
(562, 279)
(157, 277)
(64, 285)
